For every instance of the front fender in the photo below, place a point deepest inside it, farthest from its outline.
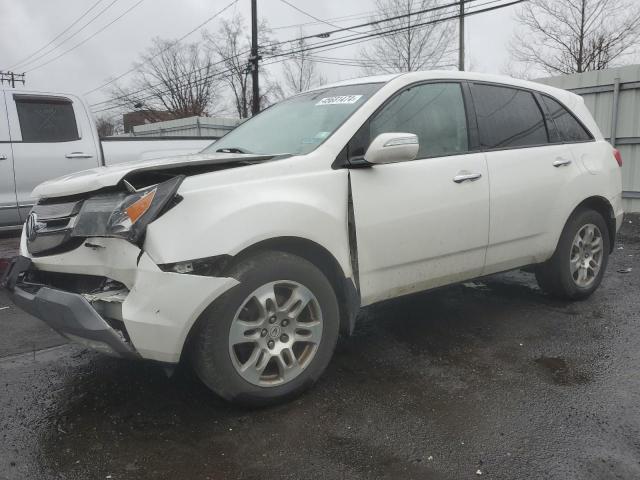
(226, 219)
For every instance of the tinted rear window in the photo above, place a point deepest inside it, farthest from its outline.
(508, 117)
(46, 120)
(569, 128)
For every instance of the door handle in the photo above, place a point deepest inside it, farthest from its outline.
(561, 162)
(466, 176)
(3, 157)
(78, 155)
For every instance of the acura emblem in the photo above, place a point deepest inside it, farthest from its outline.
(275, 331)
(32, 226)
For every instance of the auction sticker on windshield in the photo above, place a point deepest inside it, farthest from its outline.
(339, 100)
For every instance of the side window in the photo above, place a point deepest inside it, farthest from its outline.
(46, 120)
(434, 112)
(569, 128)
(508, 117)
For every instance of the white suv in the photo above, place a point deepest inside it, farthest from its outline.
(251, 257)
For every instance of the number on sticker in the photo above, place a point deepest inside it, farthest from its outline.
(339, 100)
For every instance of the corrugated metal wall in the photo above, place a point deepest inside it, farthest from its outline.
(600, 90)
(188, 127)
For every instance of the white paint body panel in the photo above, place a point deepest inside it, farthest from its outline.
(157, 323)
(526, 195)
(415, 227)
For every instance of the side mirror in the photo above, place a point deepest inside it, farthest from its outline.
(392, 147)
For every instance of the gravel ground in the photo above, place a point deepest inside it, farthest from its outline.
(489, 378)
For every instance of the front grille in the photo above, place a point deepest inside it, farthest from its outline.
(49, 227)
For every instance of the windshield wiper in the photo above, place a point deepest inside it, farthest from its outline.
(232, 150)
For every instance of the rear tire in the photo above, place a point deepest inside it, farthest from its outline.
(270, 337)
(576, 268)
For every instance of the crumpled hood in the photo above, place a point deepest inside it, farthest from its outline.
(97, 178)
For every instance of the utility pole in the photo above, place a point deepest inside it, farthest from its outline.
(11, 78)
(461, 39)
(254, 59)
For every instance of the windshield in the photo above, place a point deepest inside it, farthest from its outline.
(297, 125)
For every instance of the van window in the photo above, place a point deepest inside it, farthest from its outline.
(508, 117)
(569, 128)
(434, 112)
(46, 120)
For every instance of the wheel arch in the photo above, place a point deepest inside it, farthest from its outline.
(604, 208)
(344, 287)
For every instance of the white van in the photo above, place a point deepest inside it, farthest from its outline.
(250, 258)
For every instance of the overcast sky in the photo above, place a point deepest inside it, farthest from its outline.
(28, 25)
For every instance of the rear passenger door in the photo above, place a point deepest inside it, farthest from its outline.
(527, 173)
(47, 141)
(8, 205)
(571, 132)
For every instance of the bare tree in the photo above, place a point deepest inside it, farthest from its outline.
(180, 79)
(231, 46)
(415, 46)
(106, 126)
(573, 36)
(300, 72)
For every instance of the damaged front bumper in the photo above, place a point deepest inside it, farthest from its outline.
(148, 313)
(69, 314)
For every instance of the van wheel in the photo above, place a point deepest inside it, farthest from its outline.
(269, 338)
(576, 268)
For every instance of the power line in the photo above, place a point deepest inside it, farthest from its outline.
(64, 40)
(88, 38)
(218, 13)
(344, 18)
(373, 22)
(326, 46)
(395, 30)
(131, 98)
(58, 36)
(358, 62)
(11, 78)
(329, 42)
(244, 52)
(323, 47)
(312, 16)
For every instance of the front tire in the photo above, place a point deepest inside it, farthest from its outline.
(269, 338)
(576, 268)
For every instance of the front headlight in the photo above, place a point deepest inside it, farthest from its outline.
(123, 214)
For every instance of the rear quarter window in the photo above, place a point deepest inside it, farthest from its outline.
(569, 128)
(508, 117)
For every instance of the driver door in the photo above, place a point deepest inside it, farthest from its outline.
(418, 223)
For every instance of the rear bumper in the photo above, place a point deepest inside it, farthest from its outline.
(69, 314)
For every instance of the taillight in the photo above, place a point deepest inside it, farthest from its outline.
(617, 156)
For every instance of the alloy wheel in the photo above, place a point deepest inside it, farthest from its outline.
(586, 255)
(275, 333)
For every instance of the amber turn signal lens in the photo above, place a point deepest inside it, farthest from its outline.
(140, 206)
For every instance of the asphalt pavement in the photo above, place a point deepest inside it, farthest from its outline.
(487, 379)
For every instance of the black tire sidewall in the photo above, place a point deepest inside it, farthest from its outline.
(561, 268)
(210, 355)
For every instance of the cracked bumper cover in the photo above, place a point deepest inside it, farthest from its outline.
(69, 314)
(158, 312)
